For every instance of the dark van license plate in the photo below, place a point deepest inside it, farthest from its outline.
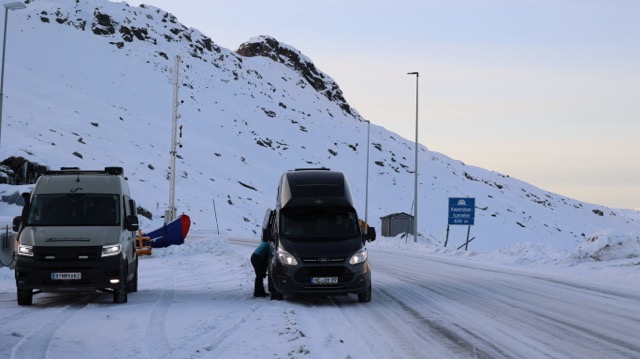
(66, 276)
(324, 280)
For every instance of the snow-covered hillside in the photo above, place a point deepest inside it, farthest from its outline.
(88, 83)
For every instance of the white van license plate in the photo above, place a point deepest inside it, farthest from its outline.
(66, 276)
(324, 280)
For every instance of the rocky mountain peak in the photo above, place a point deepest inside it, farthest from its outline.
(122, 24)
(267, 46)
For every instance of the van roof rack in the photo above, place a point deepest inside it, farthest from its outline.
(113, 170)
(313, 169)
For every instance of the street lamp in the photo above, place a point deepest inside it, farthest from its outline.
(9, 6)
(415, 190)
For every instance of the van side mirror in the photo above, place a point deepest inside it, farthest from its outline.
(131, 223)
(17, 223)
(26, 198)
(266, 234)
(370, 236)
(267, 225)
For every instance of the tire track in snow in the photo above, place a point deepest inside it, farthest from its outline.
(471, 344)
(36, 344)
(385, 328)
(157, 342)
(224, 332)
(213, 340)
(201, 341)
(421, 309)
(222, 323)
(333, 312)
(485, 311)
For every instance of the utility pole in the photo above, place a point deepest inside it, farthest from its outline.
(170, 214)
(415, 191)
(9, 6)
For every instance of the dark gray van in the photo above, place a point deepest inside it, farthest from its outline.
(317, 241)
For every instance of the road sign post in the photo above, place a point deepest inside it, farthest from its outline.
(461, 212)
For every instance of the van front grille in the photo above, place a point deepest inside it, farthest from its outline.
(323, 259)
(60, 254)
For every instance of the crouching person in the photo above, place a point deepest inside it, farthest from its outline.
(259, 259)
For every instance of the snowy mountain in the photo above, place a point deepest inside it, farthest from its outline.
(88, 83)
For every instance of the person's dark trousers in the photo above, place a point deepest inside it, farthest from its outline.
(260, 267)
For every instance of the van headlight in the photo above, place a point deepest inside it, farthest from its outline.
(25, 250)
(286, 258)
(111, 250)
(359, 257)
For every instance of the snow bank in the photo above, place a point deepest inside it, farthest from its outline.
(613, 246)
(610, 245)
(196, 243)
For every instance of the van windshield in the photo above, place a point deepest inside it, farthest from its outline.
(74, 210)
(319, 223)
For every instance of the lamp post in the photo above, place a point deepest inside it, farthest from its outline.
(415, 190)
(9, 6)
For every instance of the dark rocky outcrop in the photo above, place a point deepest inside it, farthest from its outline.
(269, 47)
(18, 170)
(103, 24)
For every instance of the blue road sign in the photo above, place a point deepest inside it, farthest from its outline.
(462, 210)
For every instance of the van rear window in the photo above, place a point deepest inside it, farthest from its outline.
(318, 224)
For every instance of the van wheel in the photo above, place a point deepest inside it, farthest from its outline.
(273, 293)
(25, 296)
(365, 296)
(120, 293)
(132, 285)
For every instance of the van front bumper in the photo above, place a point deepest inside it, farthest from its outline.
(302, 279)
(62, 269)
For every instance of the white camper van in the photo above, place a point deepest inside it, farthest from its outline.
(77, 233)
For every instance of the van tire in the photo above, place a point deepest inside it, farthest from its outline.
(120, 293)
(132, 285)
(25, 296)
(365, 296)
(273, 293)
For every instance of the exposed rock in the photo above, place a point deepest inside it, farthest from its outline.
(18, 170)
(102, 24)
(267, 46)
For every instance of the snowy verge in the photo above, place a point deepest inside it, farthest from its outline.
(608, 253)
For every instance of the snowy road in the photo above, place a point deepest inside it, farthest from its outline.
(194, 301)
(457, 308)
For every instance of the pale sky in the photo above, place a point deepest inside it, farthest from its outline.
(547, 91)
